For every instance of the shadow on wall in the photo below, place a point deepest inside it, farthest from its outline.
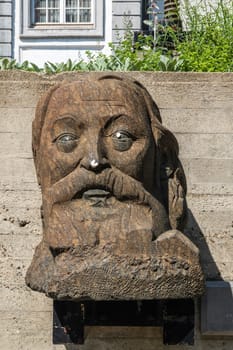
(194, 233)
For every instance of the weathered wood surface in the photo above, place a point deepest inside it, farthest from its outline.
(111, 185)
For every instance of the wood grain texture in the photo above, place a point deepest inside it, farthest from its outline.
(113, 193)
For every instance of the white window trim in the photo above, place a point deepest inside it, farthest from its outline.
(63, 14)
(57, 30)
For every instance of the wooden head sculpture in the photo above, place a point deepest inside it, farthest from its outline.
(113, 193)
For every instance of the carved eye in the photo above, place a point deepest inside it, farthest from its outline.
(66, 142)
(122, 140)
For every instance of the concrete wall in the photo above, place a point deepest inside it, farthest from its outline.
(6, 28)
(198, 109)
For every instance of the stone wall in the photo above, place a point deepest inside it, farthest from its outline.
(198, 109)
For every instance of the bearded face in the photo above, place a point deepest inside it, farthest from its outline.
(97, 167)
(111, 184)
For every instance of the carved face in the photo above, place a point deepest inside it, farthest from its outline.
(96, 127)
(97, 151)
(111, 184)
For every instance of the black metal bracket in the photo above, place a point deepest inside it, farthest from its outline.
(178, 322)
(68, 322)
(175, 316)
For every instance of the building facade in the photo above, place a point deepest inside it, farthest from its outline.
(6, 27)
(54, 31)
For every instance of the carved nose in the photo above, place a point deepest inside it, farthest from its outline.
(94, 163)
(94, 159)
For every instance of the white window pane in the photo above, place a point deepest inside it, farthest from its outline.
(40, 16)
(40, 4)
(71, 16)
(85, 16)
(75, 11)
(54, 4)
(53, 16)
(72, 3)
(85, 3)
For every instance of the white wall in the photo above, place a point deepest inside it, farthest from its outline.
(58, 50)
(125, 12)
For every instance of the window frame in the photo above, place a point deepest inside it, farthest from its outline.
(61, 30)
(145, 5)
(62, 14)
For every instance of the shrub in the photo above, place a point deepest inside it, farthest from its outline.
(207, 46)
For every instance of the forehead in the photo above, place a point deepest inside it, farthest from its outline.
(98, 99)
(100, 90)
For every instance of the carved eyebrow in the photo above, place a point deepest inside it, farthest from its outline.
(64, 117)
(64, 122)
(112, 119)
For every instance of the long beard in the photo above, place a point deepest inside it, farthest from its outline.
(71, 221)
(106, 252)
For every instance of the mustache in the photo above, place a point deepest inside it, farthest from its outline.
(121, 185)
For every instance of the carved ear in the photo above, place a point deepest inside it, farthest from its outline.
(172, 177)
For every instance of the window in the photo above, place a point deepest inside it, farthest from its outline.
(166, 12)
(62, 18)
(147, 14)
(63, 11)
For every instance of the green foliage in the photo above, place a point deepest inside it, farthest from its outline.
(205, 46)
(69, 66)
(7, 64)
(208, 44)
(141, 55)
